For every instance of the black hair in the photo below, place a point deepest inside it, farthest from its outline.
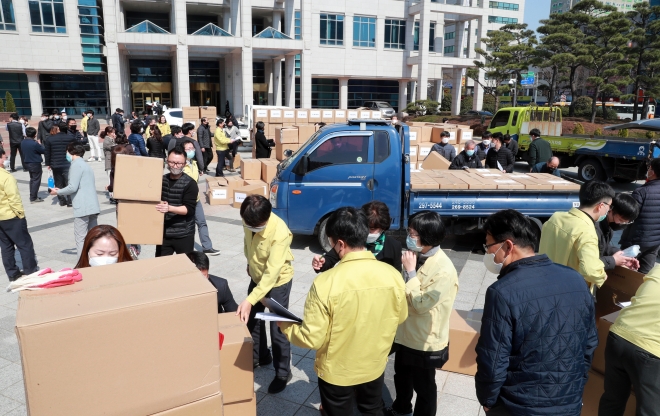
(90, 112)
(118, 110)
(30, 132)
(63, 127)
(535, 132)
(655, 166)
(187, 128)
(219, 122)
(14, 116)
(69, 120)
(256, 209)
(445, 134)
(175, 129)
(2, 152)
(378, 215)
(145, 113)
(178, 150)
(429, 226)
(185, 142)
(45, 114)
(75, 149)
(509, 224)
(200, 260)
(626, 206)
(349, 225)
(136, 127)
(260, 125)
(486, 135)
(594, 192)
(497, 136)
(506, 137)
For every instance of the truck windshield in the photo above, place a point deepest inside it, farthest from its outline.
(287, 162)
(500, 119)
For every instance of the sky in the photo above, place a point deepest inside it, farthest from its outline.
(536, 10)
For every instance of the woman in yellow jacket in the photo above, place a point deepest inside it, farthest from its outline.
(422, 341)
(163, 126)
(221, 141)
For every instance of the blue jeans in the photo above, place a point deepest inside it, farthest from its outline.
(202, 228)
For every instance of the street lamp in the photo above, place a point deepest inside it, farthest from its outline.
(512, 85)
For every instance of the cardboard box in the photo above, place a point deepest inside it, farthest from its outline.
(364, 114)
(424, 150)
(211, 406)
(242, 192)
(260, 114)
(245, 408)
(593, 391)
(275, 116)
(268, 169)
(415, 133)
(464, 330)
(140, 222)
(376, 115)
(286, 135)
(340, 116)
(506, 183)
(143, 331)
(236, 365)
(435, 161)
(414, 150)
(604, 324)
(259, 182)
(529, 182)
(280, 148)
(620, 286)
(435, 134)
(208, 112)
(149, 170)
(218, 191)
(352, 114)
(464, 134)
(288, 116)
(234, 182)
(251, 169)
(305, 131)
(427, 132)
(302, 116)
(314, 116)
(450, 182)
(328, 116)
(191, 113)
(272, 129)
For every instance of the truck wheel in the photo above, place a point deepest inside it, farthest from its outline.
(591, 170)
(324, 241)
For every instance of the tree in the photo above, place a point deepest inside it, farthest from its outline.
(2, 106)
(9, 103)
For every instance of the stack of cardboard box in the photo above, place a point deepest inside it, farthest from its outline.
(256, 176)
(424, 135)
(236, 367)
(138, 185)
(483, 179)
(195, 114)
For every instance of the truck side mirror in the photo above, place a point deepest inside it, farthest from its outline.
(301, 167)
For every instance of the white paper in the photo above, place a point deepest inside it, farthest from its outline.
(289, 114)
(520, 176)
(623, 304)
(239, 196)
(491, 174)
(352, 114)
(556, 181)
(499, 166)
(328, 114)
(262, 113)
(315, 114)
(413, 151)
(267, 316)
(483, 170)
(302, 114)
(276, 113)
(413, 135)
(340, 113)
(219, 194)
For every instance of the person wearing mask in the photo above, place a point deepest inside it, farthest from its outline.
(226, 302)
(645, 231)
(351, 322)
(538, 327)
(624, 211)
(221, 141)
(83, 125)
(205, 144)
(13, 227)
(118, 120)
(149, 128)
(231, 130)
(57, 161)
(267, 247)
(136, 139)
(155, 143)
(183, 134)
(93, 129)
(82, 187)
(33, 151)
(444, 148)
(200, 220)
(43, 129)
(178, 201)
(430, 293)
(262, 146)
(16, 135)
(384, 248)
(570, 239)
(483, 147)
(63, 116)
(539, 149)
(72, 130)
(468, 158)
(108, 136)
(163, 126)
(499, 157)
(103, 245)
(510, 144)
(551, 167)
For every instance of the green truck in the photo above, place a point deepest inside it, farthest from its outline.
(597, 158)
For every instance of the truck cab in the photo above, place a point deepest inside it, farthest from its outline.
(518, 121)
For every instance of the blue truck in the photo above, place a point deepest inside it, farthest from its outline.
(356, 162)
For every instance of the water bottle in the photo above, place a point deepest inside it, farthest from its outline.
(632, 251)
(51, 182)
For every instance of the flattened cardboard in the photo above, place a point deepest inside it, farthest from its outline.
(305, 131)
(435, 161)
(250, 169)
(140, 222)
(150, 172)
(144, 331)
(211, 406)
(604, 324)
(241, 193)
(236, 365)
(268, 169)
(622, 283)
(594, 390)
(286, 135)
(244, 408)
(464, 330)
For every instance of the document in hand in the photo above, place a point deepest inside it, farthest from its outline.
(278, 312)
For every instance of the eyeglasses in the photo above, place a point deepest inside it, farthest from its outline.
(175, 164)
(609, 205)
(487, 246)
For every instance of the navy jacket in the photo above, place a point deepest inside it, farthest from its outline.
(226, 302)
(32, 151)
(542, 167)
(56, 150)
(538, 336)
(645, 231)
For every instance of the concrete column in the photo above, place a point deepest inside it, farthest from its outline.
(306, 55)
(456, 92)
(459, 40)
(236, 104)
(268, 75)
(277, 20)
(246, 22)
(343, 93)
(182, 76)
(290, 81)
(228, 82)
(226, 21)
(222, 76)
(423, 60)
(438, 90)
(179, 21)
(247, 88)
(35, 95)
(413, 90)
(235, 18)
(277, 81)
(439, 41)
(289, 11)
(114, 78)
(403, 94)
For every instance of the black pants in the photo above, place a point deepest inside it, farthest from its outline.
(338, 400)
(13, 147)
(14, 234)
(498, 410)
(420, 379)
(207, 156)
(221, 162)
(36, 171)
(647, 257)
(61, 178)
(170, 246)
(257, 327)
(628, 365)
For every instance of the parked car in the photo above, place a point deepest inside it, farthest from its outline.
(478, 113)
(174, 116)
(384, 107)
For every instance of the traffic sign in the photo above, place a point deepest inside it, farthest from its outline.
(527, 81)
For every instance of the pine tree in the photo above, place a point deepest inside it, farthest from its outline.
(2, 106)
(9, 103)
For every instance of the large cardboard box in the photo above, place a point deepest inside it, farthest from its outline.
(268, 169)
(218, 191)
(427, 132)
(415, 134)
(620, 286)
(286, 135)
(263, 184)
(260, 114)
(139, 222)
(234, 182)
(149, 171)
(450, 182)
(242, 192)
(302, 116)
(507, 183)
(191, 113)
(244, 408)
(340, 116)
(464, 330)
(133, 338)
(208, 112)
(435, 161)
(289, 116)
(594, 390)
(305, 131)
(364, 114)
(328, 116)
(250, 169)
(529, 181)
(424, 150)
(352, 114)
(604, 324)
(211, 406)
(414, 150)
(275, 116)
(236, 367)
(314, 116)
(435, 134)
(464, 134)
(272, 130)
(280, 148)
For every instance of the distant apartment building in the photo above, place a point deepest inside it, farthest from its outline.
(562, 6)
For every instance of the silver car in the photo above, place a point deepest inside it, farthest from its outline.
(386, 110)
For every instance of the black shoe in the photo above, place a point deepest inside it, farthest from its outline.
(13, 170)
(264, 362)
(69, 205)
(25, 170)
(279, 384)
(113, 201)
(62, 204)
(15, 277)
(389, 411)
(36, 200)
(212, 252)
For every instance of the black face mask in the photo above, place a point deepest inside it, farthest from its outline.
(551, 170)
(73, 128)
(616, 227)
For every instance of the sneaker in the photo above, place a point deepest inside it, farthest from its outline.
(113, 201)
(69, 205)
(91, 159)
(389, 411)
(279, 384)
(212, 252)
(264, 362)
(13, 170)
(16, 276)
(100, 159)
(37, 200)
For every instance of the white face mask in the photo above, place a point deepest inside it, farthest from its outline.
(445, 140)
(256, 229)
(489, 262)
(486, 143)
(371, 238)
(102, 261)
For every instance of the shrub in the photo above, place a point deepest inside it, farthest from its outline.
(623, 133)
(583, 106)
(446, 103)
(2, 105)
(9, 103)
(649, 135)
(489, 103)
(564, 110)
(598, 132)
(423, 107)
(466, 104)
(578, 129)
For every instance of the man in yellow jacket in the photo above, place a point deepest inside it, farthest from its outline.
(351, 316)
(13, 226)
(632, 353)
(570, 238)
(267, 247)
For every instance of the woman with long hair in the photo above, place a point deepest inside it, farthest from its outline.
(163, 126)
(155, 142)
(108, 136)
(103, 245)
(121, 138)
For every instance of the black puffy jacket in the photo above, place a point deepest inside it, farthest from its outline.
(645, 231)
(538, 336)
(56, 150)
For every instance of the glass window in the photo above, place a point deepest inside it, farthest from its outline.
(270, 33)
(211, 30)
(297, 65)
(47, 16)
(500, 119)
(364, 31)
(297, 25)
(431, 37)
(395, 34)
(502, 5)
(17, 85)
(361, 90)
(450, 35)
(502, 20)
(449, 49)
(325, 93)
(381, 146)
(75, 92)
(259, 72)
(332, 29)
(340, 151)
(150, 70)
(162, 20)
(146, 27)
(515, 118)
(7, 21)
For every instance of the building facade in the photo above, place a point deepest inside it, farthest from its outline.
(107, 54)
(562, 6)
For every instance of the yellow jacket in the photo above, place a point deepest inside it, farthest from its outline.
(570, 238)
(83, 124)
(191, 170)
(11, 205)
(351, 315)
(269, 257)
(430, 295)
(164, 128)
(221, 140)
(639, 323)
